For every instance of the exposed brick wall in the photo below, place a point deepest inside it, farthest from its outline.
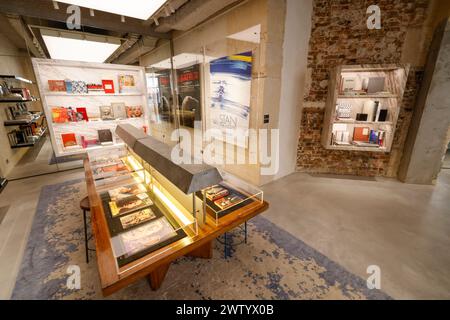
(340, 36)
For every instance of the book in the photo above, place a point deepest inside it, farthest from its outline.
(228, 201)
(361, 134)
(146, 236)
(130, 204)
(348, 84)
(376, 85)
(126, 191)
(69, 140)
(105, 136)
(106, 113)
(126, 83)
(108, 86)
(216, 192)
(109, 170)
(60, 115)
(382, 115)
(119, 110)
(137, 218)
(57, 85)
(134, 112)
(79, 87)
(82, 114)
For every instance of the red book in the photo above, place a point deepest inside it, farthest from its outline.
(108, 86)
(361, 134)
(69, 140)
(83, 112)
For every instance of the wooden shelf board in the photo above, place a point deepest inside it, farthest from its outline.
(31, 144)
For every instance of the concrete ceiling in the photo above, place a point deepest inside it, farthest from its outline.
(24, 18)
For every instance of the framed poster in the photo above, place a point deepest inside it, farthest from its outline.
(230, 85)
(189, 95)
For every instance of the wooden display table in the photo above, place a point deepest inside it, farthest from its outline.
(155, 265)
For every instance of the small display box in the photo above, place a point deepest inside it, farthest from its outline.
(229, 196)
(363, 106)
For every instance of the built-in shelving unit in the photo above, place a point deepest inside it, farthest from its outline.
(358, 117)
(32, 143)
(91, 101)
(16, 78)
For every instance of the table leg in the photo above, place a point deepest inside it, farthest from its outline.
(156, 277)
(203, 252)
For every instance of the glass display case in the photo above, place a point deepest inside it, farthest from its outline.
(228, 196)
(142, 216)
(151, 202)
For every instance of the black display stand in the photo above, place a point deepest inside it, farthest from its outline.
(3, 183)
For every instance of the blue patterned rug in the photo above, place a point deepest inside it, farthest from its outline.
(273, 265)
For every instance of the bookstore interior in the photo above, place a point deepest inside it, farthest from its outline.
(121, 110)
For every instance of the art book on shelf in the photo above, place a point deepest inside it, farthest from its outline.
(82, 114)
(126, 83)
(108, 86)
(228, 201)
(119, 110)
(60, 115)
(57, 85)
(130, 204)
(69, 140)
(105, 136)
(361, 134)
(126, 191)
(106, 113)
(137, 218)
(134, 112)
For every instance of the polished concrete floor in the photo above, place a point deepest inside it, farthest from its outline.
(404, 229)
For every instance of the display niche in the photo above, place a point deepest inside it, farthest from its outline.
(363, 107)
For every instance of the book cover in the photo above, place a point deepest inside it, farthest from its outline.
(69, 140)
(105, 136)
(126, 191)
(108, 86)
(59, 115)
(139, 217)
(57, 85)
(146, 236)
(228, 201)
(79, 87)
(119, 110)
(83, 114)
(106, 113)
(109, 170)
(216, 192)
(126, 83)
(130, 204)
(361, 134)
(134, 112)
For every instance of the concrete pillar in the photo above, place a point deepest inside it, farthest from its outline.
(426, 141)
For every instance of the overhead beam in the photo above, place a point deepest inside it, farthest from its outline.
(101, 20)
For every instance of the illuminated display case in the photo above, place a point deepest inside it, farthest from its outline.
(142, 215)
(150, 203)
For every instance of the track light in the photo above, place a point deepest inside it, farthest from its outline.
(55, 5)
(156, 21)
(122, 18)
(91, 12)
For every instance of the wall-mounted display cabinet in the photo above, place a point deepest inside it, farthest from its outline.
(84, 102)
(363, 106)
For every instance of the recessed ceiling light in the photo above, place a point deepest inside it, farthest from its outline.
(140, 9)
(79, 47)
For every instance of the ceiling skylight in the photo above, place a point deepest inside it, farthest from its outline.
(140, 9)
(79, 47)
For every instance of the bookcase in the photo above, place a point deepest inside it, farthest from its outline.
(84, 102)
(363, 106)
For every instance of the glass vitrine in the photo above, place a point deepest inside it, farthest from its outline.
(144, 219)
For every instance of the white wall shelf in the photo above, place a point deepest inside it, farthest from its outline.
(46, 69)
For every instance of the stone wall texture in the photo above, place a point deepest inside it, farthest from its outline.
(340, 37)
